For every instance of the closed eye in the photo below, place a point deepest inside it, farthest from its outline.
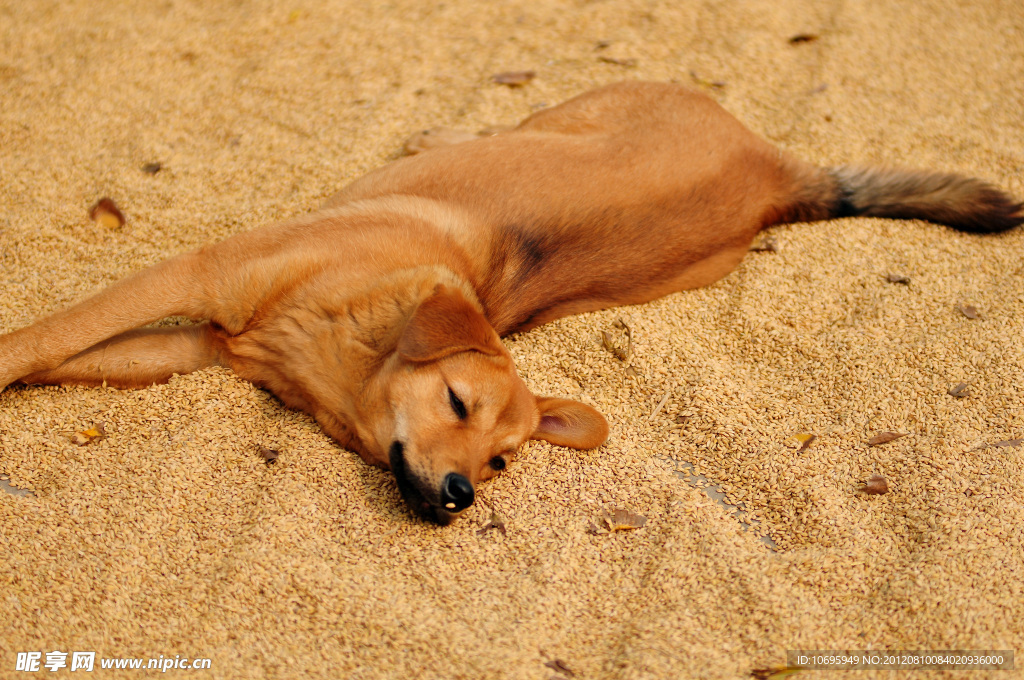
(457, 406)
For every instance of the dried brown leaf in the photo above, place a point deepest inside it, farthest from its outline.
(959, 391)
(620, 353)
(92, 434)
(622, 520)
(559, 666)
(769, 244)
(625, 63)
(514, 78)
(897, 278)
(805, 441)
(713, 84)
(606, 342)
(106, 212)
(801, 38)
(876, 486)
(970, 311)
(629, 339)
(885, 438)
(269, 455)
(495, 522)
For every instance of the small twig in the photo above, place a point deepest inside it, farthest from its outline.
(661, 403)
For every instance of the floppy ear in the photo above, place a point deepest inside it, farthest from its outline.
(565, 422)
(444, 324)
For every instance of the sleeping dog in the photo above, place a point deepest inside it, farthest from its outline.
(381, 313)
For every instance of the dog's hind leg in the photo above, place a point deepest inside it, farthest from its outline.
(137, 358)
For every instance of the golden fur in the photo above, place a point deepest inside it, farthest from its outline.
(380, 314)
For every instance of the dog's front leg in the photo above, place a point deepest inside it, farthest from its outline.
(137, 358)
(171, 288)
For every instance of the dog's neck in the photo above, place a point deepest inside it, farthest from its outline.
(497, 267)
(349, 339)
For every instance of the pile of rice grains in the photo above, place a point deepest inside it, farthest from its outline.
(821, 451)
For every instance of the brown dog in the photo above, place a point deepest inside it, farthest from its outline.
(380, 314)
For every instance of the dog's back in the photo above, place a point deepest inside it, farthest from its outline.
(637, 190)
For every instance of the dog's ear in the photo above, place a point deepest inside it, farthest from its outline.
(569, 423)
(446, 323)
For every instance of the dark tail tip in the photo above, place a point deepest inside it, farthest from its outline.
(963, 203)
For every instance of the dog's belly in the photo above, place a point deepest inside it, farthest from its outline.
(639, 290)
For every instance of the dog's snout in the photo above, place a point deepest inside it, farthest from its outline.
(456, 492)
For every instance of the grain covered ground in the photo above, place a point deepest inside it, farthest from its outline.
(171, 535)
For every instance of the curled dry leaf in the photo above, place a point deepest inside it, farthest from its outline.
(513, 78)
(621, 520)
(495, 522)
(769, 244)
(713, 84)
(106, 212)
(94, 433)
(885, 438)
(805, 441)
(629, 339)
(876, 486)
(998, 445)
(959, 391)
(625, 63)
(269, 455)
(559, 666)
(606, 342)
(970, 311)
(897, 278)
(620, 353)
(801, 38)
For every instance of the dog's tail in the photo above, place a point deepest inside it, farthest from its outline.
(960, 202)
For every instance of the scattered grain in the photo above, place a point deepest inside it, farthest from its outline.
(172, 534)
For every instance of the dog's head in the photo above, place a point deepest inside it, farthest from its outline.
(452, 411)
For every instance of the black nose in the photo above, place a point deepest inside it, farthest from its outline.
(456, 492)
